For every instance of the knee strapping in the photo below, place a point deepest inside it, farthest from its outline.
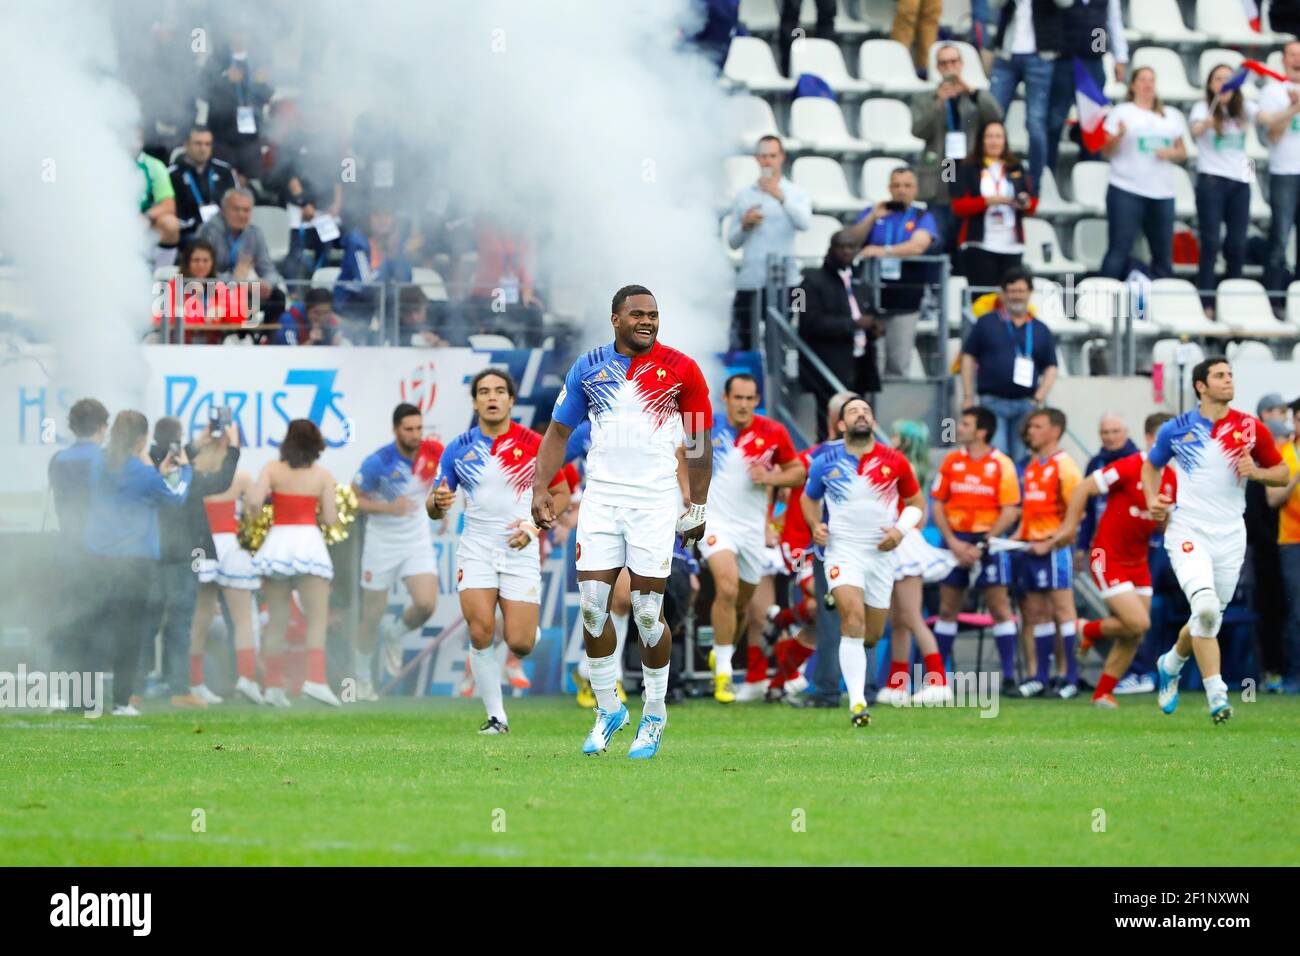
(1207, 614)
(595, 602)
(647, 607)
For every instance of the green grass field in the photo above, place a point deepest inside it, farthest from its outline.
(411, 783)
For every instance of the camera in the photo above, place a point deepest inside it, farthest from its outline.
(219, 419)
(174, 450)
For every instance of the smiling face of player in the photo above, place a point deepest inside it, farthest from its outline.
(493, 404)
(636, 324)
(408, 432)
(859, 422)
(740, 400)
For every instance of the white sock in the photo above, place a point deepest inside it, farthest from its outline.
(603, 676)
(1215, 687)
(853, 665)
(722, 658)
(620, 639)
(946, 628)
(655, 689)
(361, 661)
(584, 666)
(487, 680)
(1173, 662)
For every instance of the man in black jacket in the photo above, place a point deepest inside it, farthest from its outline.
(834, 320)
(199, 181)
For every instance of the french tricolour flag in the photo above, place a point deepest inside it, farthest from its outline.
(1092, 104)
(1248, 67)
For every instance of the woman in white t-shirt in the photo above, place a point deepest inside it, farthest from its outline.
(1218, 124)
(1144, 138)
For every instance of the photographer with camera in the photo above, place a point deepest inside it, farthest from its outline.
(990, 198)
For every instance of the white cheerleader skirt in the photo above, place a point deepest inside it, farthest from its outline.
(917, 558)
(232, 567)
(293, 549)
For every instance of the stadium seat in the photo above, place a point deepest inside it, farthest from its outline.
(1171, 78)
(1295, 352)
(956, 303)
(1051, 205)
(972, 67)
(1049, 308)
(1225, 20)
(1165, 352)
(274, 223)
(738, 172)
(819, 123)
(1214, 56)
(1088, 183)
(1174, 306)
(1160, 21)
(1293, 303)
(879, 14)
(916, 367)
(887, 67)
(430, 282)
(824, 59)
(751, 64)
(1096, 301)
(1090, 241)
(760, 16)
(752, 118)
(1243, 305)
(847, 26)
(1114, 89)
(1062, 366)
(875, 178)
(1248, 351)
(812, 244)
(1043, 252)
(1274, 62)
(487, 341)
(887, 125)
(824, 179)
(1017, 131)
(1184, 194)
(325, 277)
(1259, 208)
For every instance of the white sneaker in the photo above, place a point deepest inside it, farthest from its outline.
(125, 710)
(898, 696)
(320, 692)
(202, 692)
(276, 697)
(796, 685)
(933, 695)
(366, 691)
(390, 641)
(249, 689)
(1135, 684)
(751, 691)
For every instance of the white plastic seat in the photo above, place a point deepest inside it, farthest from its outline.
(1165, 352)
(1090, 241)
(956, 301)
(751, 64)
(1114, 89)
(1096, 300)
(819, 123)
(1174, 306)
(752, 118)
(487, 341)
(972, 67)
(1295, 352)
(1017, 129)
(1243, 305)
(1260, 211)
(886, 66)
(846, 24)
(1161, 21)
(812, 244)
(879, 14)
(1293, 303)
(1275, 62)
(1217, 56)
(824, 179)
(1051, 205)
(1172, 85)
(1249, 351)
(325, 277)
(824, 59)
(1225, 20)
(1040, 233)
(739, 172)
(1088, 182)
(1184, 194)
(430, 282)
(875, 177)
(1049, 307)
(274, 223)
(887, 125)
(760, 16)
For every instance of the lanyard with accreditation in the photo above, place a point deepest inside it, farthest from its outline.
(1022, 371)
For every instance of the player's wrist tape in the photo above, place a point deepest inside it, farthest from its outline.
(909, 519)
(693, 518)
(530, 529)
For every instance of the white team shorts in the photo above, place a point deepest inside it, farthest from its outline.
(384, 563)
(514, 575)
(639, 539)
(748, 548)
(231, 568)
(1206, 559)
(865, 568)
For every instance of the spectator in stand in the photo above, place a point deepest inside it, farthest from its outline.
(371, 258)
(990, 198)
(237, 91)
(836, 324)
(70, 473)
(1008, 361)
(307, 180)
(1031, 34)
(1274, 412)
(1279, 105)
(1144, 138)
(892, 232)
(199, 181)
(413, 318)
(916, 26)
(122, 539)
(1223, 174)
(1084, 23)
(158, 207)
(196, 296)
(1287, 501)
(240, 247)
(502, 298)
(949, 120)
(764, 219)
(310, 321)
(721, 19)
(824, 29)
(1115, 444)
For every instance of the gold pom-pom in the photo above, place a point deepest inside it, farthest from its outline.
(345, 501)
(253, 527)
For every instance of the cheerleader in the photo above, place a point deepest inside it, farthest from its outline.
(294, 555)
(916, 562)
(225, 564)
